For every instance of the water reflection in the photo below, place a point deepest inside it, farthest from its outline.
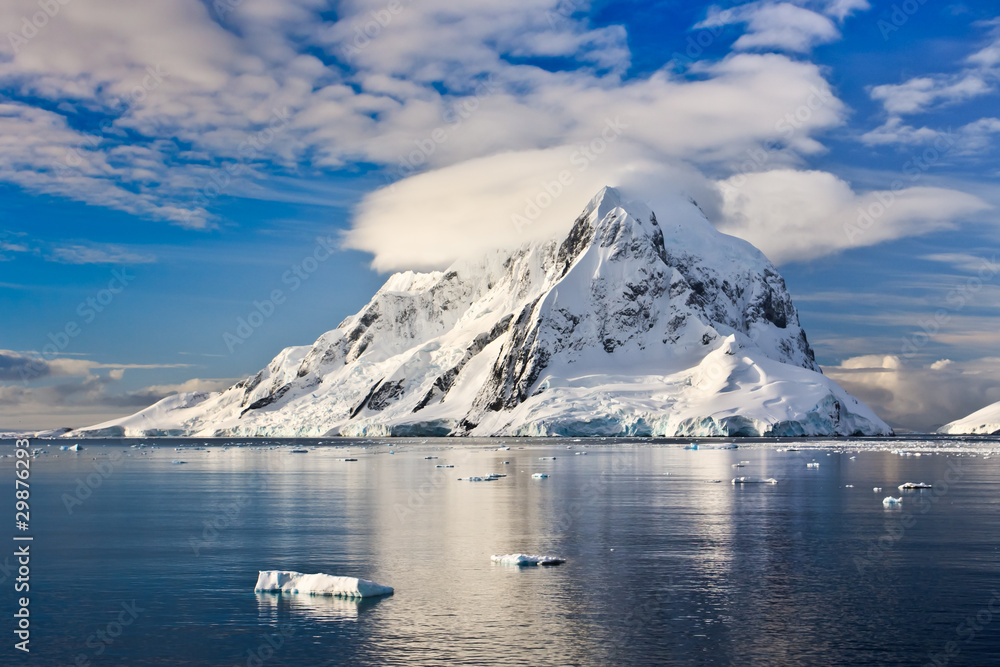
(280, 608)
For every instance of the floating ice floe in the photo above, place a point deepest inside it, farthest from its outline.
(581, 453)
(876, 489)
(526, 559)
(913, 485)
(178, 463)
(889, 501)
(75, 448)
(754, 480)
(299, 451)
(449, 465)
(848, 486)
(353, 459)
(738, 465)
(276, 581)
(492, 477)
(429, 458)
(539, 475)
(546, 458)
(812, 465)
(693, 445)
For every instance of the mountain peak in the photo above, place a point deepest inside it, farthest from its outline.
(628, 326)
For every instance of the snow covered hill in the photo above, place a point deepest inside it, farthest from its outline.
(629, 326)
(981, 422)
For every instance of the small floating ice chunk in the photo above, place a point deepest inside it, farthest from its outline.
(754, 480)
(581, 453)
(449, 465)
(178, 463)
(276, 581)
(546, 458)
(352, 459)
(526, 559)
(812, 465)
(75, 448)
(492, 477)
(876, 489)
(539, 475)
(693, 445)
(299, 451)
(889, 501)
(429, 458)
(913, 485)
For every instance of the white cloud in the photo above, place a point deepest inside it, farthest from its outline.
(923, 94)
(780, 25)
(430, 220)
(28, 366)
(841, 9)
(918, 94)
(91, 400)
(920, 397)
(800, 215)
(972, 138)
(97, 254)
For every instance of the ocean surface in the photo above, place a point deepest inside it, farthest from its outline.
(138, 559)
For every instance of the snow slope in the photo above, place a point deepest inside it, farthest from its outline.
(628, 326)
(980, 422)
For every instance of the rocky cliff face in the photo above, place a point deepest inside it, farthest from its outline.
(631, 325)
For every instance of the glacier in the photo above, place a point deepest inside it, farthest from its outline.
(633, 324)
(980, 422)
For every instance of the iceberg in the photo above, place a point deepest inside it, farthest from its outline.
(754, 480)
(889, 501)
(913, 485)
(539, 475)
(277, 581)
(526, 559)
(812, 465)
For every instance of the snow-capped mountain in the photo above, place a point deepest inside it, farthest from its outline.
(628, 326)
(980, 422)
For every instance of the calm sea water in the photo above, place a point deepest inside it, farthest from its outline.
(141, 561)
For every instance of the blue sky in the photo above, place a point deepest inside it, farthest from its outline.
(176, 162)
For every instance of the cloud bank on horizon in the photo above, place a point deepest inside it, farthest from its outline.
(489, 124)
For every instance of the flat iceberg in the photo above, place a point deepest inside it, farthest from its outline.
(277, 581)
(914, 485)
(539, 475)
(889, 501)
(754, 480)
(526, 559)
